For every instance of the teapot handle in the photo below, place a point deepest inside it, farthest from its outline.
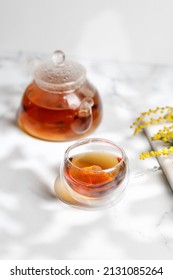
(84, 118)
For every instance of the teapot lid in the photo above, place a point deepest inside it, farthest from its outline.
(59, 74)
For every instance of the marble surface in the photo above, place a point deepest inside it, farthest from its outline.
(34, 224)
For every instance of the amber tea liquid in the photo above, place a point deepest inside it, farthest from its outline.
(88, 174)
(50, 116)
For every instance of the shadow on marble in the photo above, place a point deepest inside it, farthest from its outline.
(103, 231)
(23, 197)
(10, 98)
(9, 94)
(25, 217)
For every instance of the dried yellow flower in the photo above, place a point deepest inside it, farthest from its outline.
(163, 115)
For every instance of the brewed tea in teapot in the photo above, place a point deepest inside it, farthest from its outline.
(60, 104)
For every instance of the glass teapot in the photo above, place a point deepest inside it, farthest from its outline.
(60, 104)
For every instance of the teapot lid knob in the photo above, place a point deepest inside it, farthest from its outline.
(58, 57)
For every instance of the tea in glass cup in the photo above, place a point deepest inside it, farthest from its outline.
(95, 172)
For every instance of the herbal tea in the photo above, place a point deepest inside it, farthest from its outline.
(94, 173)
(56, 116)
